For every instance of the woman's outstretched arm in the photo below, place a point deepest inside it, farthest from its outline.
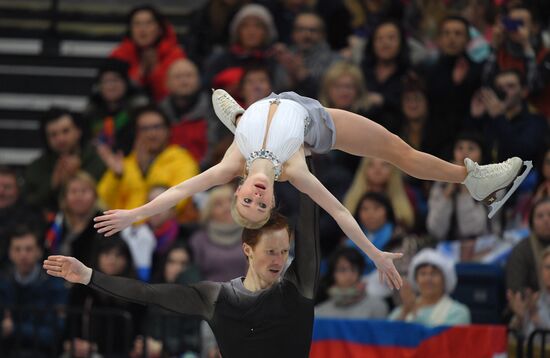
(115, 220)
(303, 180)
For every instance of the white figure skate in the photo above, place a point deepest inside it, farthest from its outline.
(226, 108)
(484, 181)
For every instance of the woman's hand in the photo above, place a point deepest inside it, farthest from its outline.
(68, 268)
(113, 221)
(386, 269)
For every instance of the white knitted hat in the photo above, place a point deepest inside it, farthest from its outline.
(432, 257)
(258, 11)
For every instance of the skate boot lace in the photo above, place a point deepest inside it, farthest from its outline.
(491, 170)
(226, 104)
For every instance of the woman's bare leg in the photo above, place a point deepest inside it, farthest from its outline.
(360, 136)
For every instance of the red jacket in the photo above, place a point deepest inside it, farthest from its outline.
(168, 50)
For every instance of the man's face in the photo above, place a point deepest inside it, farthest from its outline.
(183, 78)
(152, 132)
(525, 18)
(9, 192)
(63, 135)
(307, 32)
(510, 84)
(453, 38)
(267, 259)
(24, 253)
(541, 221)
(345, 274)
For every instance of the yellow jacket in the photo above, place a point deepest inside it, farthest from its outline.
(172, 166)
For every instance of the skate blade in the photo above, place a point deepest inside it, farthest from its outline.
(497, 204)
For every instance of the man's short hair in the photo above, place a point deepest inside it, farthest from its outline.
(22, 230)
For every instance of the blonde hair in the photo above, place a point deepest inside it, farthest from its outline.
(215, 194)
(78, 176)
(338, 70)
(395, 190)
(244, 222)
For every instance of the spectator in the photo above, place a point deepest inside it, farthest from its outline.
(256, 83)
(510, 129)
(188, 108)
(88, 330)
(167, 333)
(217, 246)
(433, 278)
(309, 55)
(252, 32)
(415, 109)
(452, 81)
(343, 87)
(32, 325)
(153, 161)
(525, 256)
(347, 296)
(284, 14)
(165, 228)
(385, 62)
(13, 209)
(375, 215)
(71, 230)
(65, 153)
(378, 176)
(453, 214)
(210, 27)
(149, 47)
(531, 309)
(517, 44)
(109, 107)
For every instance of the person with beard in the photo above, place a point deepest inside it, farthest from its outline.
(451, 81)
(108, 111)
(267, 313)
(65, 154)
(188, 108)
(517, 44)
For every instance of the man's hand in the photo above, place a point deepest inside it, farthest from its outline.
(114, 161)
(495, 107)
(68, 268)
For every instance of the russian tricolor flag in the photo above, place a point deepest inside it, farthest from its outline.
(373, 338)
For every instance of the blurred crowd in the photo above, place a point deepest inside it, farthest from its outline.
(455, 78)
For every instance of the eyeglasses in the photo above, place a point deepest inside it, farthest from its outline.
(152, 127)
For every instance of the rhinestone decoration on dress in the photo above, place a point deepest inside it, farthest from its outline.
(265, 154)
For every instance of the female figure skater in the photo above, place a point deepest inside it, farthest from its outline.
(269, 145)
(267, 313)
